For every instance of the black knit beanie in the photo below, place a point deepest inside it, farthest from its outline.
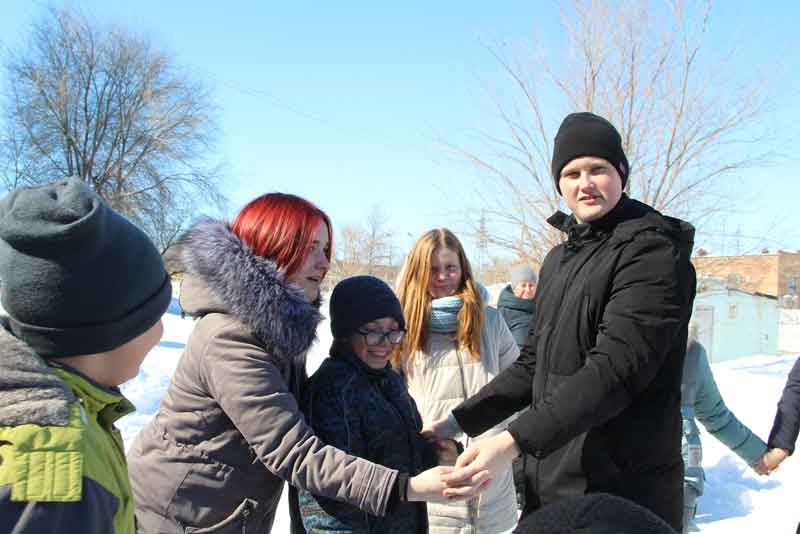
(77, 277)
(358, 300)
(597, 513)
(587, 134)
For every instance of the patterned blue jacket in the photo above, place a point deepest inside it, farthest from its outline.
(368, 413)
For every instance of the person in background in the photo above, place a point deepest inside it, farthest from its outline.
(455, 344)
(356, 402)
(84, 290)
(517, 306)
(702, 401)
(785, 428)
(229, 432)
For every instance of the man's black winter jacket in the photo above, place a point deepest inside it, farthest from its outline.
(601, 370)
(787, 419)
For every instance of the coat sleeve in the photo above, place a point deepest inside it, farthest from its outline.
(787, 419)
(509, 392)
(648, 306)
(332, 415)
(253, 394)
(719, 421)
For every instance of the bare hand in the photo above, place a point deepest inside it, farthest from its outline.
(492, 456)
(770, 461)
(429, 486)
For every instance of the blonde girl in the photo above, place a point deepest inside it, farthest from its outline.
(454, 345)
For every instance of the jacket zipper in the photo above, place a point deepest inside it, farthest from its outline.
(409, 439)
(546, 360)
(474, 503)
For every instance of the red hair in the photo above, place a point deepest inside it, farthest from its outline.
(281, 227)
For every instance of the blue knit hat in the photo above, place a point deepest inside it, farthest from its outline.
(357, 300)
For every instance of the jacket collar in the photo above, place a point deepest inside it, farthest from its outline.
(575, 230)
(30, 392)
(630, 217)
(108, 402)
(347, 355)
(38, 391)
(509, 300)
(224, 275)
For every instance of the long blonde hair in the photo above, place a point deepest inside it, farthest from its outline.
(412, 290)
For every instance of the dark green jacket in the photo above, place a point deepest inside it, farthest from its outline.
(701, 400)
(62, 461)
(517, 313)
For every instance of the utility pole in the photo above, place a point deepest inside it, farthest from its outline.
(483, 243)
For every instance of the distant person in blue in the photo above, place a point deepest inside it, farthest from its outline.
(358, 403)
(517, 304)
(702, 401)
(517, 307)
(783, 437)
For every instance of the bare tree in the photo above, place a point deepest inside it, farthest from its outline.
(685, 123)
(98, 102)
(365, 249)
(378, 242)
(349, 248)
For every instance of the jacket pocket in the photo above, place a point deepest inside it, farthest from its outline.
(247, 518)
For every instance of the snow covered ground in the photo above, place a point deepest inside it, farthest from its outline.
(736, 499)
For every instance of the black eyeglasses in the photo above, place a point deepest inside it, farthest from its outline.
(395, 337)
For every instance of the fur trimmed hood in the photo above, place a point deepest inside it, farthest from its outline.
(230, 278)
(30, 392)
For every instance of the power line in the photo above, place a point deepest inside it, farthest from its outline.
(373, 137)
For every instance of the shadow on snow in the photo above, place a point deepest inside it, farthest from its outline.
(726, 491)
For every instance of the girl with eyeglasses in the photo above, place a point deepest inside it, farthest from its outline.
(357, 403)
(454, 345)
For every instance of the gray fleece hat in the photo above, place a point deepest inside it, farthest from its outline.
(522, 273)
(77, 277)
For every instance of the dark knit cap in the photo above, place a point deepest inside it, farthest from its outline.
(77, 277)
(358, 300)
(598, 513)
(587, 134)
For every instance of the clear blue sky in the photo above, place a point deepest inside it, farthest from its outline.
(341, 102)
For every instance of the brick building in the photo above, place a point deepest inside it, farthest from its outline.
(775, 274)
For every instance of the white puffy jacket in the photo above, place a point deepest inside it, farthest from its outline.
(440, 380)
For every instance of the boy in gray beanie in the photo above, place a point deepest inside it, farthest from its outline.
(84, 291)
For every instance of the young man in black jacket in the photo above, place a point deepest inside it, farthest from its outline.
(599, 377)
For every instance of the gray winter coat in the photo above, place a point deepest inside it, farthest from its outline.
(229, 431)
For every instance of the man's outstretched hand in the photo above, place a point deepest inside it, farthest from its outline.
(492, 456)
